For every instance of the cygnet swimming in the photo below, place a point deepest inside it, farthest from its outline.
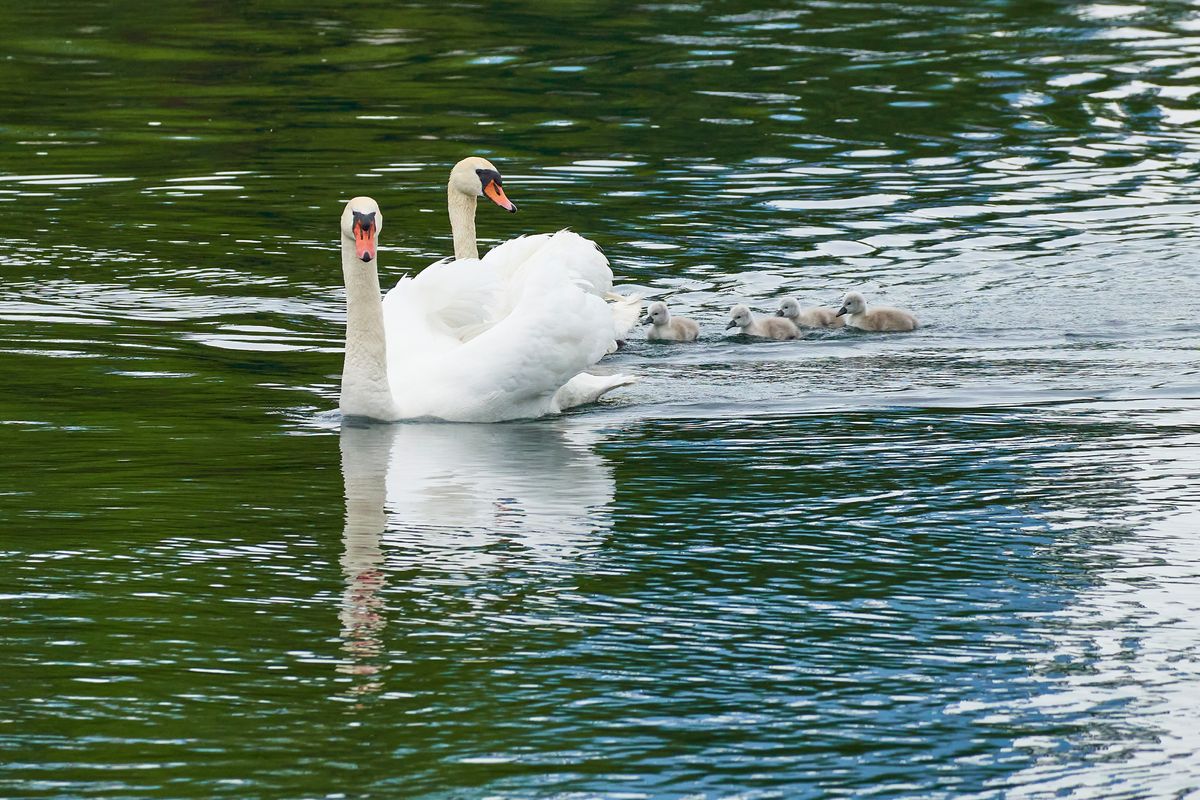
(767, 328)
(880, 318)
(809, 317)
(666, 328)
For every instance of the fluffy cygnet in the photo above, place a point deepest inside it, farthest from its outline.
(809, 317)
(767, 328)
(880, 318)
(665, 328)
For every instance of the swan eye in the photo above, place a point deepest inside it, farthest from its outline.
(487, 176)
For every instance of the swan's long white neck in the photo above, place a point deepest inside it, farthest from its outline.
(462, 222)
(365, 389)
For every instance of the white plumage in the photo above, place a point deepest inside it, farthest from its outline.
(476, 177)
(478, 340)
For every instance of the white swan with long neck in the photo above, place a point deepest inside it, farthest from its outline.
(476, 177)
(467, 342)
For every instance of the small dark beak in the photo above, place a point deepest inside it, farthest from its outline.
(645, 320)
(731, 324)
(779, 313)
(841, 311)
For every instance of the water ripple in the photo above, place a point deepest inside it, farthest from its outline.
(952, 563)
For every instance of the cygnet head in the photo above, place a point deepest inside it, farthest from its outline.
(788, 308)
(657, 314)
(739, 317)
(361, 223)
(478, 177)
(852, 303)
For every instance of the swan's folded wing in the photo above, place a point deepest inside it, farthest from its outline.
(457, 299)
(576, 258)
(554, 332)
(582, 261)
(507, 257)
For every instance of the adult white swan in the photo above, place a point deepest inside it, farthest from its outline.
(464, 343)
(476, 177)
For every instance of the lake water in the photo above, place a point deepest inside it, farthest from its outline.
(961, 562)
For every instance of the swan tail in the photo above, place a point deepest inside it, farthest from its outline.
(587, 388)
(626, 311)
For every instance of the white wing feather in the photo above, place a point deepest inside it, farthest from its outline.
(499, 338)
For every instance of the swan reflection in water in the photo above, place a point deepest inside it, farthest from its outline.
(459, 499)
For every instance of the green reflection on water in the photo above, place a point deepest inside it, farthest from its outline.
(664, 598)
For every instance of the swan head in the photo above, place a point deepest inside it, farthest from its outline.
(739, 317)
(788, 308)
(657, 314)
(361, 223)
(478, 177)
(852, 303)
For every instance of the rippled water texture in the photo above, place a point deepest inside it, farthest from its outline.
(960, 562)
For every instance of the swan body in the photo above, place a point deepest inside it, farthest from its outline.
(467, 341)
(476, 177)
(667, 328)
(880, 318)
(809, 317)
(766, 328)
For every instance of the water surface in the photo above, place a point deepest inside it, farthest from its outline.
(954, 563)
